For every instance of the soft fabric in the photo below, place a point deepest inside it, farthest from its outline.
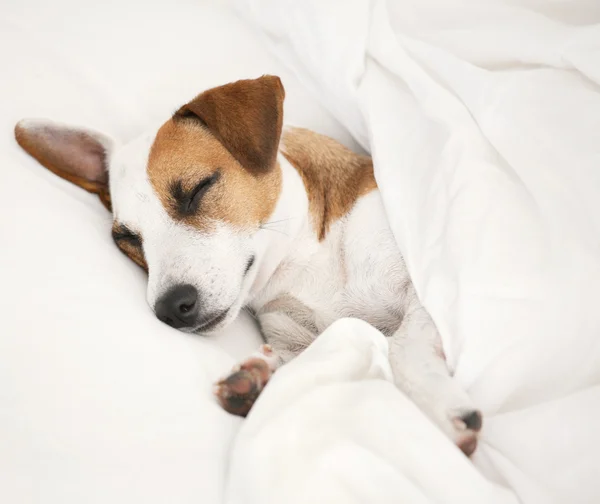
(99, 401)
(332, 428)
(483, 119)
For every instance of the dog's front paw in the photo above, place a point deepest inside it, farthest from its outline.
(466, 425)
(237, 392)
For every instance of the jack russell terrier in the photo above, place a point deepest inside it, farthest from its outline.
(226, 209)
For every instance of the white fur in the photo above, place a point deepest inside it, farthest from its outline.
(175, 253)
(356, 271)
(297, 285)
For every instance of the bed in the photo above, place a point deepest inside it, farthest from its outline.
(483, 120)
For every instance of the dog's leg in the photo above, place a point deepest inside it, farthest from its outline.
(285, 338)
(420, 369)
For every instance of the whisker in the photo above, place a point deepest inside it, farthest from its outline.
(274, 230)
(278, 221)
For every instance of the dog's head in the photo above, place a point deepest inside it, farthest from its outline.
(187, 201)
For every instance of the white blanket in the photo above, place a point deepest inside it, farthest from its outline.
(483, 118)
(331, 428)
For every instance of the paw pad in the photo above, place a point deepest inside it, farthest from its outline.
(237, 392)
(467, 443)
(472, 420)
(468, 424)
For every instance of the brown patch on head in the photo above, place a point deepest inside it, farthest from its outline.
(184, 156)
(216, 159)
(334, 176)
(246, 116)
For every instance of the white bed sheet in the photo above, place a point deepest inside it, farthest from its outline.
(99, 402)
(483, 119)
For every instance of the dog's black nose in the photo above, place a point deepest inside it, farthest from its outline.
(178, 307)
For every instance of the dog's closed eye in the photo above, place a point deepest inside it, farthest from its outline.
(130, 244)
(122, 233)
(188, 202)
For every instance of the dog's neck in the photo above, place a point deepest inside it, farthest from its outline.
(280, 233)
(321, 181)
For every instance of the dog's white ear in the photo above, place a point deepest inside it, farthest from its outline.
(77, 155)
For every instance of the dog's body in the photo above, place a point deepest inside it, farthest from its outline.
(225, 211)
(319, 271)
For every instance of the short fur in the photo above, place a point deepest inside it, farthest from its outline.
(295, 230)
(331, 192)
(198, 154)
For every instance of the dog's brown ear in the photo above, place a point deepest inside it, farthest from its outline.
(245, 116)
(77, 155)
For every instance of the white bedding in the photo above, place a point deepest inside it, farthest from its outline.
(483, 118)
(485, 130)
(100, 402)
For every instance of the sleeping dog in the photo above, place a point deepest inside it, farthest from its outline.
(227, 209)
